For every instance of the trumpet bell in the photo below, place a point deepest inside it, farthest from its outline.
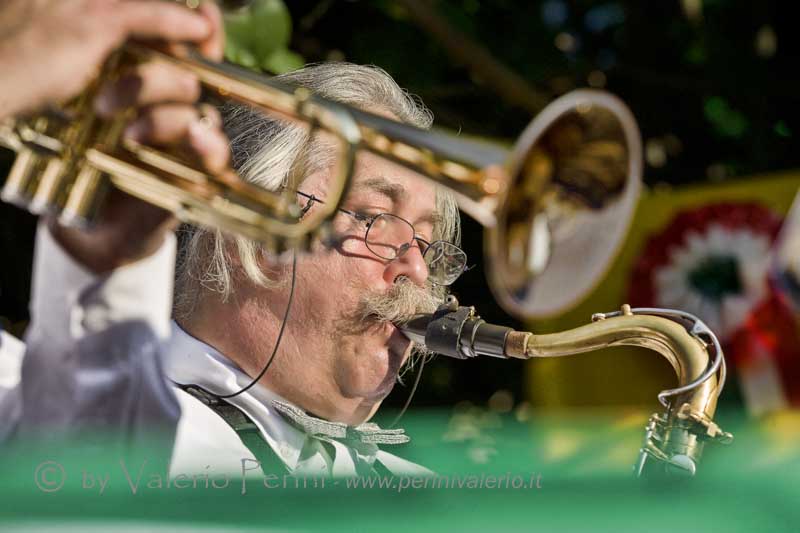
(575, 177)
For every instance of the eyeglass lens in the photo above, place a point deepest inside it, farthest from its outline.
(445, 262)
(389, 236)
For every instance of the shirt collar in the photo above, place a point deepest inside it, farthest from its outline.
(189, 361)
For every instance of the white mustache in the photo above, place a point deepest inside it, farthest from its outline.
(403, 302)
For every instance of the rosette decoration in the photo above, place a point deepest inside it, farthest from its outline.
(714, 262)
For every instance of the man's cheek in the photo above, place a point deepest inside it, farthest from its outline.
(367, 367)
(353, 247)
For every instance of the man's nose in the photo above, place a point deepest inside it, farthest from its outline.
(409, 264)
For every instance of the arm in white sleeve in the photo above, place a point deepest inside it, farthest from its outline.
(11, 353)
(92, 359)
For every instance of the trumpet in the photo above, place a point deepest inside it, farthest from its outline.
(568, 186)
(67, 156)
(674, 439)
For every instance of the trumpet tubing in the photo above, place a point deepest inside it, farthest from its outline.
(569, 185)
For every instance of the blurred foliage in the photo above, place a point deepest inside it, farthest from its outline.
(257, 37)
(716, 76)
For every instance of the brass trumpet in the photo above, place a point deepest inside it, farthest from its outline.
(569, 185)
(67, 155)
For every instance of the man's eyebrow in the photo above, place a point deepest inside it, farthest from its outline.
(394, 191)
(434, 219)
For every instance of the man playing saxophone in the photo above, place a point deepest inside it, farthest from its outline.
(95, 360)
(337, 353)
(273, 365)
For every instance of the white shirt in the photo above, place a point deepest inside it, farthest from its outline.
(95, 350)
(92, 348)
(201, 437)
(11, 352)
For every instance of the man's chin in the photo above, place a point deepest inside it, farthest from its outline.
(398, 349)
(380, 356)
(399, 346)
(380, 393)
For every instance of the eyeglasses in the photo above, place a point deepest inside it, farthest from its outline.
(390, 236)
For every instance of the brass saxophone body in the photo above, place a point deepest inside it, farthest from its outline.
(673, 438)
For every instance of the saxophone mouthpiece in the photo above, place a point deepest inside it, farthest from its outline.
(457, 331)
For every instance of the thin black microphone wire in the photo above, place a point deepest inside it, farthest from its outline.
(411, 394)
(277, 341)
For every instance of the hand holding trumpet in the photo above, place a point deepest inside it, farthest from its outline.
(50, 50)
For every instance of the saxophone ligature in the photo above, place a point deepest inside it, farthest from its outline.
(674, 438)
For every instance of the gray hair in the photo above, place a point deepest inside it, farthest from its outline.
(267, 152)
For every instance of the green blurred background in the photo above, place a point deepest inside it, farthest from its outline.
(713, 84)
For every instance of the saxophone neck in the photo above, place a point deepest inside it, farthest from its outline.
(683, 340)
(675, 438)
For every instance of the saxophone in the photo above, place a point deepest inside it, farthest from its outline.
(674, 439)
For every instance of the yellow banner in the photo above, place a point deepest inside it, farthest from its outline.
(633, 376)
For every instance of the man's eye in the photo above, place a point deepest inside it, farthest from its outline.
(368, 212)
(363, 216)
(424, 231)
